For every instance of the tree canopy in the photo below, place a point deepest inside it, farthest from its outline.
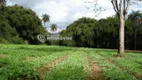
(53, 27)
(23, 21)
(45, 18)
(103, 33)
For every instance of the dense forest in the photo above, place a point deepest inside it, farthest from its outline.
(104, 33)
(19, 25)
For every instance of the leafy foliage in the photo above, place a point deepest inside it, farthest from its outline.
(24, 22)
(103, 33)
(89, 32)
(45, 18)
(53, 27)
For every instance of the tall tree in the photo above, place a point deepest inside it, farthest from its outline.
(53, 27)
(121, 7)
(25, 21)
(45, 18)
(135, 18)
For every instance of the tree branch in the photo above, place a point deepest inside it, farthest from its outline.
(114, 6)
(116, 3)
(127, 8)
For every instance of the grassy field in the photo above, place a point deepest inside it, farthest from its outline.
(41, 62)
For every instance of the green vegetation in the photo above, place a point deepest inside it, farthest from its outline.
(88, 32)
(53, 27)
(20, 25)
(32, 62)
(45, 18)
(104, 33)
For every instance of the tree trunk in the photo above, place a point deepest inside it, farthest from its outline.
(136, 35)
(135, 40)
(44, 24)
(121, 31)
(121, 36)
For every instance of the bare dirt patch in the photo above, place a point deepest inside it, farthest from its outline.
(96, 73)
(29, 58)
(47, 67)
(96, 70)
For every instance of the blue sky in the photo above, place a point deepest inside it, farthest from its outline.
(64, 12)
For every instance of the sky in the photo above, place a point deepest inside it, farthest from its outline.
(65, 12)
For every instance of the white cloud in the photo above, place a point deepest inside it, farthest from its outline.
(64, 12)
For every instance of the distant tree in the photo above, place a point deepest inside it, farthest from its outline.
(25, 21)
(8, 34)
(45, 18)
(135, 18)
(106, 32)
(53, 27)
(103, 33)
(82, 32)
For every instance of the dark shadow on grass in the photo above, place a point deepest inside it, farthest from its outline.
(133, 52)
(114, 50)
(140, 63)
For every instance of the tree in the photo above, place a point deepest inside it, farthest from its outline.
(53, 27)
(82, 32)
(25, 21)
(45, 18)
(8, 34)
(135, 18)
(121, 8)
(103, 33)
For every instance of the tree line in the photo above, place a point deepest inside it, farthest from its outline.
(104, 33)
(22, 25)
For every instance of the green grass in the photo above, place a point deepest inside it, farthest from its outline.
(23, 61)
(70, 69)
